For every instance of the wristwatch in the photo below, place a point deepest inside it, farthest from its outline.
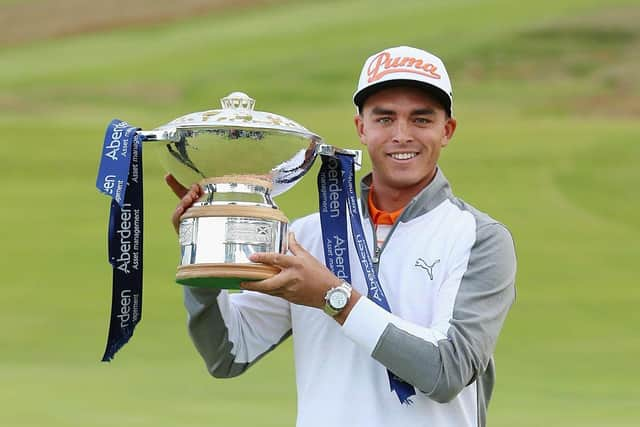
(337, 299)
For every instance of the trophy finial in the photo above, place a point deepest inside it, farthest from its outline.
(238, 101)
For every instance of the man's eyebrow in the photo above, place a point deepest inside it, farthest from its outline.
(379, 111)
(423, 112)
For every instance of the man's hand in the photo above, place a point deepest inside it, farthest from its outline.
(303, 279)
(187, 198)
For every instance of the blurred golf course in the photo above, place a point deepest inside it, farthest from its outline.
(547, 97)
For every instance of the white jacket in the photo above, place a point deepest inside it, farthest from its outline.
(448, 272)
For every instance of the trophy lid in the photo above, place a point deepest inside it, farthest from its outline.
(237, 112)
(235, 140)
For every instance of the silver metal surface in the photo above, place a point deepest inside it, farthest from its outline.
(241, 148)
(235, 140)
(243, 194)
(229, 239)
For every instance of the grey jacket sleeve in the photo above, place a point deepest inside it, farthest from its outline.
(233, 331)
(485, 294)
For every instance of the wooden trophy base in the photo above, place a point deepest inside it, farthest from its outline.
(222, 276)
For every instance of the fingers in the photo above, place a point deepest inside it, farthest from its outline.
(282, 260)
(281, 285)
(185, 203)
(273, 258)
(175, 217)
(267, 286)
(178, 189)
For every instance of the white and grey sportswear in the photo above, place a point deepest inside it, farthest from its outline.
(448, 271)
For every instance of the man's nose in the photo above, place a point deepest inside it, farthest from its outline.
(402, 132)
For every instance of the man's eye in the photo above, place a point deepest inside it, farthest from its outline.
(422, 120)
(384, 120)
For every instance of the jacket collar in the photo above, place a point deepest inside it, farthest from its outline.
(429, 198)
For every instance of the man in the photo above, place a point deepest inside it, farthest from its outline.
(447, 270)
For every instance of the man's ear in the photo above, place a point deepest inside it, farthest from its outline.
(359, 122)
(449, 130)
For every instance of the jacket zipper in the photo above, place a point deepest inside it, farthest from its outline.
(377, 250)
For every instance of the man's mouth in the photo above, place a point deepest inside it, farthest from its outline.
(403, 156)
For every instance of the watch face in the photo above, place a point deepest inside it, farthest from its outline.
(338, 300)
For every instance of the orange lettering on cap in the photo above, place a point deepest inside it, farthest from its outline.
(384, 64)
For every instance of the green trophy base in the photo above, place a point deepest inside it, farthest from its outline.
(222, 276)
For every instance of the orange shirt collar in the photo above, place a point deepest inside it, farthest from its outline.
(381, 217)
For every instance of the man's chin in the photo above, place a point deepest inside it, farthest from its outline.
(410, 181)
(408, 184)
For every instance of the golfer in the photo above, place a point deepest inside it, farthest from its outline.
(447, 271)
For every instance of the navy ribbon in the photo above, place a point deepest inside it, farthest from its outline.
(120, 177)
(333, 218)
(336, 188)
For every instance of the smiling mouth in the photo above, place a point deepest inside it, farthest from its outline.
(403, 156)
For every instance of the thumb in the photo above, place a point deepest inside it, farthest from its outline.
(178, 189)
(294, 246)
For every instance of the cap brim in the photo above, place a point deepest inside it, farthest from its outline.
(440, 95)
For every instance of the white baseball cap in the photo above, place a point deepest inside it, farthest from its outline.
(404, 65)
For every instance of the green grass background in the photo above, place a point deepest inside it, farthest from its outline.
(547, 100)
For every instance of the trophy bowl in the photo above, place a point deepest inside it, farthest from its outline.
(241, 158)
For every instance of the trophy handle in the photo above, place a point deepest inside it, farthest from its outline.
(158, 135)
(330, 150)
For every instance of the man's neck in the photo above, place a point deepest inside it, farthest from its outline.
(390, 199)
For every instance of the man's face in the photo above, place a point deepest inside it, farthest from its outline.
(404, 129)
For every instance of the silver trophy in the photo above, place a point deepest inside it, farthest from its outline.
(242, 158)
